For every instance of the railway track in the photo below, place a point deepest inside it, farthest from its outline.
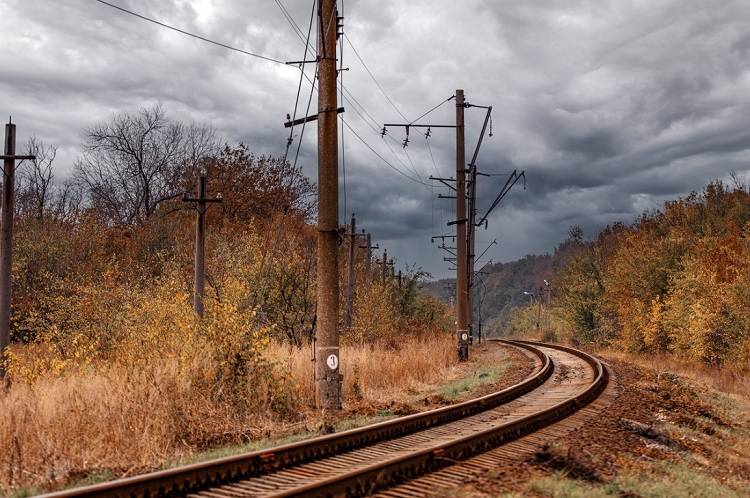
(371, 459)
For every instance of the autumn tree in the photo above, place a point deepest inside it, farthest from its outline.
(136, 161)
(258, 187)
(675, 281)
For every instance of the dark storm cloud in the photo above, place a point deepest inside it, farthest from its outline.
(610, 106)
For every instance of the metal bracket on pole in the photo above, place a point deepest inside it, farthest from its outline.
(307, 119)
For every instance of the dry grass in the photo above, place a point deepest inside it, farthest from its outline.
(373, 373)
(728, 380)
(725, 379)
(125, 421)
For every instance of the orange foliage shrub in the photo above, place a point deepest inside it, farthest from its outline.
(676, 281)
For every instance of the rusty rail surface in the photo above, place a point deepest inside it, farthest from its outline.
(182, 481)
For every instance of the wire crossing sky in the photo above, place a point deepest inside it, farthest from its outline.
(610, 107)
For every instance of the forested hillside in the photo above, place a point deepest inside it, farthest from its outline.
(499, 289)
(675, 281)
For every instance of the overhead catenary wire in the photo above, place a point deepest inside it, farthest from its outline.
(188, 33)
(277, 236)
(381, 157)
(299, 88)
(351, 100)
(341, 93)
(377, 83)
(434, 164)
(432, 109)
(349, 97)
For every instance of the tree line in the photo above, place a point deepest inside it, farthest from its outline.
(676, 281)
(118, 222)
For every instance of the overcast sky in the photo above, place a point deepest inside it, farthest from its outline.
(609, 106)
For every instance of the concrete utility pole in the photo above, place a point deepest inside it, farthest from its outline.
(6, 239)
(201, 205)
(384, 263)
(473, 217)
(470, 236)
(548, 307)
(351, 276)
(369, 247)
(462, 277)
(539, 312)
(328, 380)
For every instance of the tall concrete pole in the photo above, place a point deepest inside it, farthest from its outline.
(328, 380)
(200, 248)
(470, 248)
(473, 220)
(351, 275)
(201, 206)
(462, 276)
(368, 261)
(385, 265)
(6, 241)
(539, 313)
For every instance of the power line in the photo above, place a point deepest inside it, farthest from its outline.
(289, 18)
(380, 87)
(199, 37)
(428, 112)
(434, 164)
(341, 93)
(299, 87)
(280, 225)
(312, 82)
(381, 157)
(377, 83)
(349, 97)
(346, 94)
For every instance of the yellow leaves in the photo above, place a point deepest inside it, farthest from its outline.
(675, 281)
(654, 332)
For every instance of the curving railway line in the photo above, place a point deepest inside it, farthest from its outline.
(379, 458)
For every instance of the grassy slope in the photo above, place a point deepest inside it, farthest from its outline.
(492, 367)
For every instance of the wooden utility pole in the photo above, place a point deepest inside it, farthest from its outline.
(368, 258)
(470, 242)
(328, 380)
(539, 312)
(6, 239)
(201, 205)
(351, 276)
(462, 276)
(385, 265)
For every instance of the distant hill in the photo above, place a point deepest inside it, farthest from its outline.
(505, 284)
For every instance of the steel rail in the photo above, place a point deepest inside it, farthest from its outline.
(365, 480)
(187, 479)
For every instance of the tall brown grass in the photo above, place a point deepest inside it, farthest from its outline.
(373, 372)
(725, 379)
(127, 420)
